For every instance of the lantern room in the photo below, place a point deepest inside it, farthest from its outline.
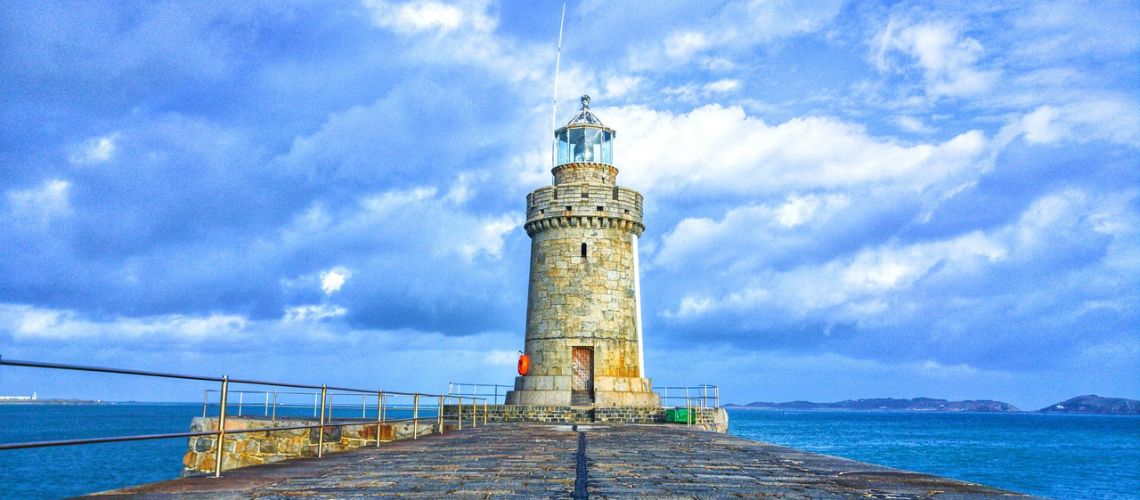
(584, 139)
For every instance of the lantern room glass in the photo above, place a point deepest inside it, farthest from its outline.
(583, 144)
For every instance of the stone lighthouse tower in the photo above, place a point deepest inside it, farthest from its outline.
(583, 321)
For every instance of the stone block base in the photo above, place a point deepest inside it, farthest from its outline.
(537, 390)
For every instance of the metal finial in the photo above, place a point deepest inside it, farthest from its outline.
(585, 102)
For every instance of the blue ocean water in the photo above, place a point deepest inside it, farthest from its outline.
(1060, 456)
(65, 471)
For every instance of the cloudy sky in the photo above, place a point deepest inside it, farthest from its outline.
(843, 200)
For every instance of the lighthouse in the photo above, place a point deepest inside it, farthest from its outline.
(583, 322)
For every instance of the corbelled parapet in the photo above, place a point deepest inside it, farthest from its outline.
(583, 329)
(578, 202)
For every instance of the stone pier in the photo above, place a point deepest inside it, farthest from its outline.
(526, 460)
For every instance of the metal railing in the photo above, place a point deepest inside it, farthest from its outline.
(701, 396)
(224, 401)
(694, 399)
(492, 391)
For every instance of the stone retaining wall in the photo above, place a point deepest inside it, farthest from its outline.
(708, 418)
(252, 448)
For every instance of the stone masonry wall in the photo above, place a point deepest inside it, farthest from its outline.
(253, 448)
(707, 418)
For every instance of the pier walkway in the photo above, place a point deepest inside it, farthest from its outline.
(564, 461)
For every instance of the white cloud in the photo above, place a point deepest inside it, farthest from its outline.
(721, 86)
(619, 86)
(861, 287)
(712, 40)
(1108, 119)
(418, 16)
(487, 238)
(721, 149)
(683, 46)
(948, 60)
(311, 313)
(890, 283)
(94, 150)
(800, 209)
(38, 206)
(333, 279)
(30, 323)
(462, 33)
(912, 124)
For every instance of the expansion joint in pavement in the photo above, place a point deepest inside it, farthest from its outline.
(580, 480)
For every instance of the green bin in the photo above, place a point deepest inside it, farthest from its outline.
(677, 415)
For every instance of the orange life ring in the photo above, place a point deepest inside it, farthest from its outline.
(524, 364)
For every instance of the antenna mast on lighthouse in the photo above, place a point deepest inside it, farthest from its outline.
(557, 62)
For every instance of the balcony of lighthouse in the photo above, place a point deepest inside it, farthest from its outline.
(584, 204)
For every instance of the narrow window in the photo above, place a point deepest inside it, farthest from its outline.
(583, 250)
(569, 208)
(556, 193)
(601, 209)
(615, 192)
(585, 194)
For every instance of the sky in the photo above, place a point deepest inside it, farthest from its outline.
(842, 199)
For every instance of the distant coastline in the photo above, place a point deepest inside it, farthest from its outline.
(1089, 404)
(52, 402)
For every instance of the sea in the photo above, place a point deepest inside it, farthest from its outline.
(1058, 456)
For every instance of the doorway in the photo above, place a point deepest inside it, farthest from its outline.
(582, 377)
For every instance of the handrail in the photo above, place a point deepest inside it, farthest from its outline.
(708, 395)
(326, 417)
(457, 388)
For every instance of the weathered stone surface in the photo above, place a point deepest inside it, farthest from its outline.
(540, 461)
(251, 448)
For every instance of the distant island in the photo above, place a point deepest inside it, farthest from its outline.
(1090, 404)
(1095, 404)
(916, 404)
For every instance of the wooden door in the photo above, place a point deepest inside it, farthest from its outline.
(582, 378)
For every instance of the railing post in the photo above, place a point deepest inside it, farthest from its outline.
(274, 419)
(363, 406)
(474, 411)
(205, 401)
(439, 415)
(221, 426)
(241, 399)
(321, 431)
(266, 412)
(415, 415)
(689, 411)
(380, 415)
(484, 412)
(459, 413)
